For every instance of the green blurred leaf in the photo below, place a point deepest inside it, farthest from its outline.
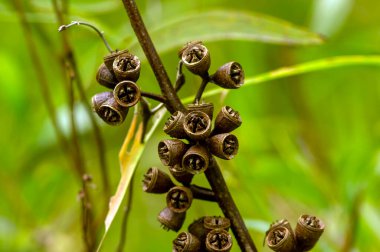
(228, 24)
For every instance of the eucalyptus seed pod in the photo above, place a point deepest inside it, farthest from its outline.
(126, 66)
(174, 125)
(226, 121)
(109, 59)
(156, 181)
(207, 108)
(171, 151)
(280, 239)
(197, 125)
(105, 105)
(224, 146)
(197, 228)
(308, 230)
(181, 174)
(230, 76)
(105, 77)
(127, 93)
(171, 220)
(196, 159)
(179, 199)
(196, 58)
(186, 242)
(218, 240)
(214, 222)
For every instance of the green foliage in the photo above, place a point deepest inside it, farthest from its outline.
(309, 142)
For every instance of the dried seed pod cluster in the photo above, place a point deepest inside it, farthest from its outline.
(281, 238)
(119, 72)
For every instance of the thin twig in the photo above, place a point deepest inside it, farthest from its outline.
(202, 193)
(156, 97)
(201, 89)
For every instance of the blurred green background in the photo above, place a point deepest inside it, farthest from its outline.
(309, 143)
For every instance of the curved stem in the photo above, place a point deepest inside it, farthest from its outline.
(156, 97)
(173, 102)
(201, 89)
(202, 193)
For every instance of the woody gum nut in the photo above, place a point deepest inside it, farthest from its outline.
(224, 146)
(171, 151)
(186, 242)
(179, 199)
(109, 59)
(197, 228)
(109, 110)
(181, 174)
(156, 181)
(171, 220)
(105, 77)
(280, 239)
(308, 230)
(227, 120)
(174, 125)
(197, 125)
(127, 93)
(196, 58)
(214, 222)
(196, 159)
(207, 108)
(218, 240)
(126, 66)
(230, 76)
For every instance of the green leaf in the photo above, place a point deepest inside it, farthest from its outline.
(228, 24)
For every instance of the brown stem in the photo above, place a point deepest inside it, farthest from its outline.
(156, 97)
(202, 193)
(201, 89)
(228, 206)
(173, 103)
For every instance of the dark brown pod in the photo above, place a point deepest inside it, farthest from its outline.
(174, 125)
(156, 181)
(214, 222)
(179, 199)
(196, 159)
(197, 125)
(226, 121)
(127, 93)
(308, 230)
(105, 77)
(230, 76)
(218, 240)
(171, 151)
(171, 220)
(207, 108)
(105, 105)
(181, 174)
(224, 146)
(280, 239)
(108, 59)
(197, 228)
(126, 66)
(196, 58)
(186, 242)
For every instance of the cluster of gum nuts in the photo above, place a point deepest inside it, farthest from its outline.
(281, 238)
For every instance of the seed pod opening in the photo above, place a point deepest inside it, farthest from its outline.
(214, 222)
(171, 151)
(230, 76)
(196, 58)
(156, 181)
(196, 159)
(109, 59)
(308, 230)
(181, 174)
(105, 105)
(280, 239)
(179, 199)
(197, 125)
(207, 108)
(127, 93)
(126, 66)
(186, 242)
(174, 125)
(105, 77)
(171, 220)
(218, 240)
(226, 121)
(224, 146)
